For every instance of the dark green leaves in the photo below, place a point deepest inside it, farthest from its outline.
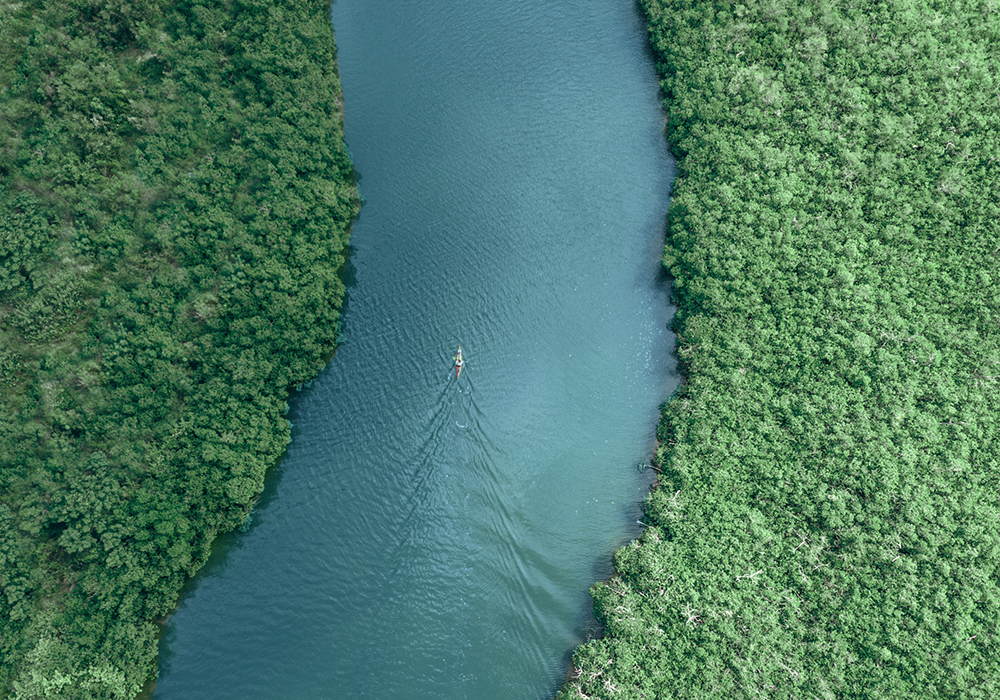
(176, 203)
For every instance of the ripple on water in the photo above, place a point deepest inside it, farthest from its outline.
(427, 537)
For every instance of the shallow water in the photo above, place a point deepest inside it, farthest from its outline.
(427, 537)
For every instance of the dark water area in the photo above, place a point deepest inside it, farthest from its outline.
(432, 538)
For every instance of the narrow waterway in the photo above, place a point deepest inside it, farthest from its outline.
(427, 537)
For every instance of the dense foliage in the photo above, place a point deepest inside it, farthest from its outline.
(175, 202)
(827, 521)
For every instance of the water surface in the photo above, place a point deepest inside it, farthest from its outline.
(432, 538)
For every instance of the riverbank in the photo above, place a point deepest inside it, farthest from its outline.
(425, 538)
(827, 521)
(176, 211)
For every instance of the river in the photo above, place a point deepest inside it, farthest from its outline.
(427, 537)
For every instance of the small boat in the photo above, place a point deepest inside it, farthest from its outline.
(459, 363)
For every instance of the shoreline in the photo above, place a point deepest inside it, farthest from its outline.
(797, 438)
(174, 420)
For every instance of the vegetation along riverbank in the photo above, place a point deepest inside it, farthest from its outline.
(827, 520)
(176, 200)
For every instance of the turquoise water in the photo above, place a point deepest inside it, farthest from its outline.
(432, 538)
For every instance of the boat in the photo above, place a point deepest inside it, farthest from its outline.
(459, 363)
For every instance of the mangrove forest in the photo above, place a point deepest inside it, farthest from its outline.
(176, 201)
(826, 522)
